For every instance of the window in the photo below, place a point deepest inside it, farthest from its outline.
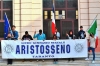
(47, 3)
(7, 4)
(47, 15)
(47, 27)
(71, 14)
(72, 3)
(1, 29)
(58, 14)
(60, 3)
(75, 26)
(66, 26)
(5, 7)
(66, 16)
(76, 14)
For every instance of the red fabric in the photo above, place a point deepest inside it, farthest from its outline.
(96, 42)
(53, 28)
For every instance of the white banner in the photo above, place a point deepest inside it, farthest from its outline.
(38, 49)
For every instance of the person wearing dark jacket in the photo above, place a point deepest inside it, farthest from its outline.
(70, 35)
(27, 36)
(81, 33)
(55, 38)
(9, 61)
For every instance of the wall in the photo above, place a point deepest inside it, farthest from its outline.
(88, 9)
(27, 16)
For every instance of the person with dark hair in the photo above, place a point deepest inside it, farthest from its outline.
(14, 32)
(12, 35)
(27, 36)
(55, 38)
(81, 33)
(9, 37)
(70, 35)
(39, 36)
(92, 46)
(57, 33)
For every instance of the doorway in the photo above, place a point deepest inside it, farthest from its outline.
(65, 17)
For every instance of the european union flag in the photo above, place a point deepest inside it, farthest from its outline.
(6, 26)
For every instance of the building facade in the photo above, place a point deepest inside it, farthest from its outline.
(32, 15)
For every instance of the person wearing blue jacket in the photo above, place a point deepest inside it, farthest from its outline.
(39, 36)
(14, 32)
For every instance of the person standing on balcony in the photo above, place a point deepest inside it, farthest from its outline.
(27, 37)
(55, 38)
(57, 34)
(70, 35)
(14, 32)
(9, 37)
(81, 33)
(40, 36)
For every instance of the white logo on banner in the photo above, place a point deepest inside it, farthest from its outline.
(8, 48)
(78, 47)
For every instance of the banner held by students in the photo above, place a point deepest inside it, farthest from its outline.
(47, 49)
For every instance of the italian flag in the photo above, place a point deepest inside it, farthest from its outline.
(93, 29)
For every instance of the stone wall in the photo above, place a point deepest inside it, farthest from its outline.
(87, 11)
(27, 16)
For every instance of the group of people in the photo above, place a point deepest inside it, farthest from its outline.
(56, 36)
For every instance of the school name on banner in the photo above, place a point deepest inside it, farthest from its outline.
(38, 49)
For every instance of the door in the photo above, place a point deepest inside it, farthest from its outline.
(66, 26)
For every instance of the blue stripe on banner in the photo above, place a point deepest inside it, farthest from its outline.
(62, 42)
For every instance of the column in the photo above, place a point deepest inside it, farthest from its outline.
(26, 17)
(94, 9)
(83, 8)
(16, 15)
(37, 15)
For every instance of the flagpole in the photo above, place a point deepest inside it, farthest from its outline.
(9, 24)
(54, 8)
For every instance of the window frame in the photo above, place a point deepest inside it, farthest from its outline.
(2, 14)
